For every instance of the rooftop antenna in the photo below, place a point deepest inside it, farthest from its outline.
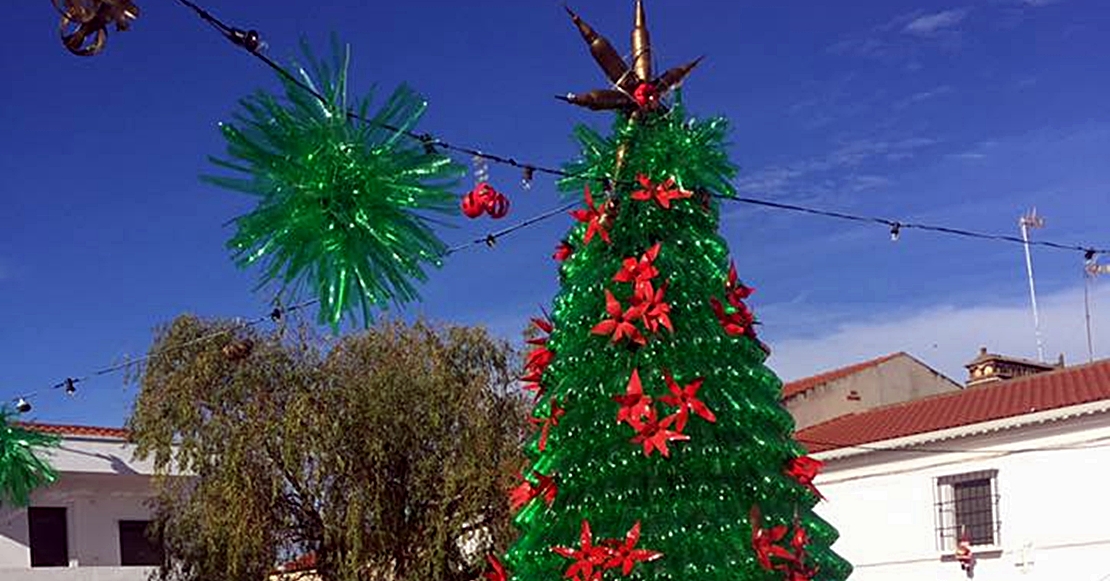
(1091, 270)
(1027, 221)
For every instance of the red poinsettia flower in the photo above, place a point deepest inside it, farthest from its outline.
(663, 193)
(764, 541)
(639, 270)
(524, 492)
(685, 398)
(545, 327)
(497, 570)
(549, 422)
(634, 404)
(620, 322)
(736, 289)
(804, 469)
(657, 313)
(562, 251)
(588, 559)
(532, 383)
(654, 434)
(739, 321)
(592, 216)
(626, 555)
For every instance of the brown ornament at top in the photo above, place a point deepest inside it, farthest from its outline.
(633, 89)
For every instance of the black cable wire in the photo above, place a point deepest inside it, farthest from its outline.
(70, 383)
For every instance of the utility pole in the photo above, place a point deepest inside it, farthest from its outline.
(1027, 221)
(1091, 270)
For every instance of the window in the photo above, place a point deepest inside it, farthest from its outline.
(136, 548)
(48, 536)
(967, 504)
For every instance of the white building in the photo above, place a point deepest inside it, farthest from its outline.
(90, 524)
(1020, 463)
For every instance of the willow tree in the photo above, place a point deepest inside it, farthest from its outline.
(387, 453)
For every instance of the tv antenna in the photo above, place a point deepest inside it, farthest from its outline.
(1091, 270)
(1032, 220)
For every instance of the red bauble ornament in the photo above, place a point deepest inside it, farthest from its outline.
(485, 199)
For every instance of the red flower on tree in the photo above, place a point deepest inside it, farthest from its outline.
(620, 322)
(592, 215)
(640, 270)
(588, 559)
(654, 434)
(549, 422)
(686, 400)
(524, 492)
(634, 404)
(625, 555)
(562, 251)
(764, 541)
(663, 193)
(497, 570)
(804, 469)
(736, 290)
(737, 321)
(656, 312)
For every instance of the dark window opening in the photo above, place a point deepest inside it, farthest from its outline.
(136, 547)
(46, 527)
(967, 505)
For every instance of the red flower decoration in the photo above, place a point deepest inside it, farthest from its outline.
(656, 312)
(592, 216)
(625, 555)
(737, 291)
(549, 422)
(645, 95)
(686, 400)
(663, 193)
(638, 271)
(634, 404)
(619, 324)
(588, 559)
(655, 434)
(524, 492)
(804, 469)
(562, 251)
(739, 321)
(763, 541)
(497, 570)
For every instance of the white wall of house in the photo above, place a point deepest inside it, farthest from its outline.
(99, 485)
(1053, 509)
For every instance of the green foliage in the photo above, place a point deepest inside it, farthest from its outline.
(22, 466)
(377, 454)
(341, 203)
(694, 506)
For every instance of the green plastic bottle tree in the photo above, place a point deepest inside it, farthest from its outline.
(662, 451)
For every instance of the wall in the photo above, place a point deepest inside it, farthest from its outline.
(900, 379)
(1053, 508)
(109, 491)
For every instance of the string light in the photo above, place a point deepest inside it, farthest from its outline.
(895, 232)
(234, 35)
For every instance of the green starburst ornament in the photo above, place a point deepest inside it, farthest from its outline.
(22, 468)
(344, 205)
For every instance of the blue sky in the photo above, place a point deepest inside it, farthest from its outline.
(960, 113)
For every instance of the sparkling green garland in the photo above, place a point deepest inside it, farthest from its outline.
(342, 203)
(22, 468)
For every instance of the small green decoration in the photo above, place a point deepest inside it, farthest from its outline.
(340, 201)
(22, 469)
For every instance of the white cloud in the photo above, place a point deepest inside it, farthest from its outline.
(945, 336)
(923, 96)
(930, 24)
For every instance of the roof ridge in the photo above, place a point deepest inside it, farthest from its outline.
(812, 381)
(77, 430)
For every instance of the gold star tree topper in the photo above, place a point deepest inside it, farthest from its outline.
(633, 88)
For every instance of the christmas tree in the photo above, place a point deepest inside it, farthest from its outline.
(661, 451)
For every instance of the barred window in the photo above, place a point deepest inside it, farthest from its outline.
(967, 504)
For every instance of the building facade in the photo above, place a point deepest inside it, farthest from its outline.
(886, 380)
(1017, 468)
(90, 525)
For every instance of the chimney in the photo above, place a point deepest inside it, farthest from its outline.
(990, 367)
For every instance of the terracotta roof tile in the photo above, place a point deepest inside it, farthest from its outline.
(1032, 393)
(87, 431)
(807, 383)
